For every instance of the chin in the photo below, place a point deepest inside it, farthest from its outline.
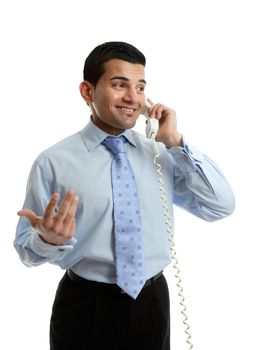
(129, 125)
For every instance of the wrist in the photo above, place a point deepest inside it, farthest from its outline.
(174, 141)
(44, 240)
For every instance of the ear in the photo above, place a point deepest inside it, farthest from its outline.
(86, 90)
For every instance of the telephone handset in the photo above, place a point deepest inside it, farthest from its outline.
(152, 124)
(151, 130)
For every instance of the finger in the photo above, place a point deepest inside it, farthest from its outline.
(73, 206)
(150, 102)
(70, 230)
(73, 227)
(64, 207)
(50, 209)
(30, 215)
(149, 107)
(156, 110)
(71, 212)
(159, 111)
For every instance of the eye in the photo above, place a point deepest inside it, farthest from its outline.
(119, 85)
(140, 88)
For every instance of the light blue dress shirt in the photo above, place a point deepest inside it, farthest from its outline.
(82, 163)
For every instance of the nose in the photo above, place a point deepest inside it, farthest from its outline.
(131, 96)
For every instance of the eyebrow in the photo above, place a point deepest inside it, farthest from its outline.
(126, 79)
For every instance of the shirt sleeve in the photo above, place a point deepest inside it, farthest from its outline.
(31, 248)
(199, 185)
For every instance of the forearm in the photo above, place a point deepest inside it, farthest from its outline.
(33, 251)
(200, 186)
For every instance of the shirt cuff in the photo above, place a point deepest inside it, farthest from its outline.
(43, 249)
(187, 157)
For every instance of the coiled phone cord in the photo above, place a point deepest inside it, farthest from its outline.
(170, 232)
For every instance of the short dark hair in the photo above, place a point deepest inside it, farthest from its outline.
(93, 67)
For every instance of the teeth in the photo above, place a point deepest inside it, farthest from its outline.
(126, 109)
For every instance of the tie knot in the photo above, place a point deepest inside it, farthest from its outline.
(115, 144)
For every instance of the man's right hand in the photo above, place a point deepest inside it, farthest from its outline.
(55, 227)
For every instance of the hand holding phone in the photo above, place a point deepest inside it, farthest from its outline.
(152, 124)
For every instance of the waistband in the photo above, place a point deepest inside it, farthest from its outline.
(75, 278)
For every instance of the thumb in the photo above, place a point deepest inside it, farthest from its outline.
(30, 215)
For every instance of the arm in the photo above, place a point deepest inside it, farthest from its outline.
(45, 235)
(199, 185)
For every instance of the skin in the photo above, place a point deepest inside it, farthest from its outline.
(116, 102)
(123, 85)
(55, 227)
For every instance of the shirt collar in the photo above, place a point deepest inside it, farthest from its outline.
(93, 136)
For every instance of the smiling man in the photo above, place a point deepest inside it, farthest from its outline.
(93, 207)
(118, 97)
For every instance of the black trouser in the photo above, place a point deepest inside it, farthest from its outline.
(96, 316)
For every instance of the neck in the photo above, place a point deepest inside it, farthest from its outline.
(105, 127)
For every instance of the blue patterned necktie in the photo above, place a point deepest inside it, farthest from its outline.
(130, 269)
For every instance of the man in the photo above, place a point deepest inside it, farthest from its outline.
(76, 216)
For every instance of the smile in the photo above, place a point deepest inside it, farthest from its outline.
(126, 109)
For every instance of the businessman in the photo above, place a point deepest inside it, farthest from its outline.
(94, 208)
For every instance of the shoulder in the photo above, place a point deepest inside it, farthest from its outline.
(60, 157)
(64, 147)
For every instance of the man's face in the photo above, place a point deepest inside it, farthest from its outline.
(118, 97)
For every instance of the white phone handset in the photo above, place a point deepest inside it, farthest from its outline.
(152, 124)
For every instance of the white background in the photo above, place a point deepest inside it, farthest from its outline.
(200, 62)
